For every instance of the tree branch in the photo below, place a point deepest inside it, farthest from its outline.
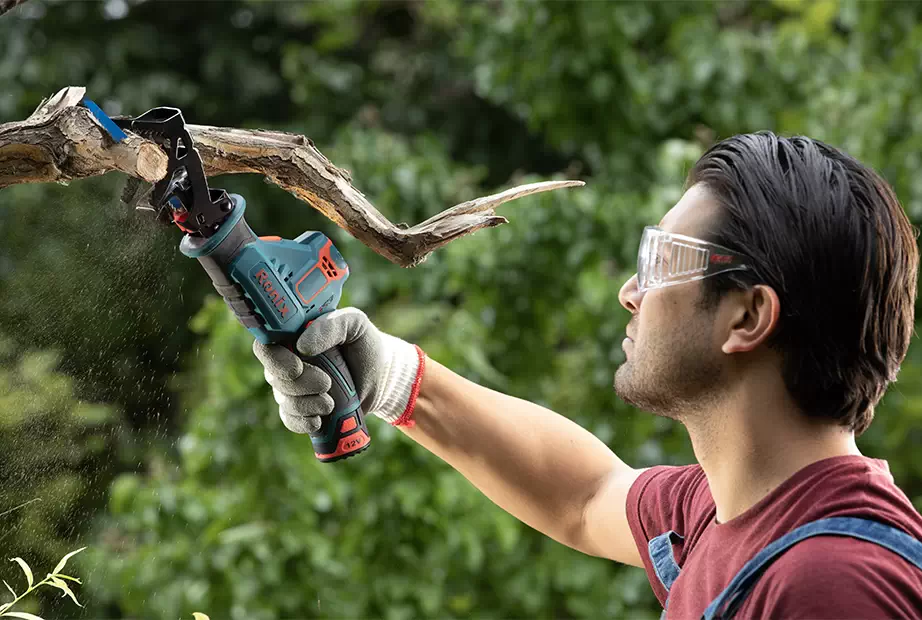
(9, 5)
(61, 141)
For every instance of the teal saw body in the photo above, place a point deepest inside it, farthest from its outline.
(275, 286)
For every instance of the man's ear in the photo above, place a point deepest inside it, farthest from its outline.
(754, 318)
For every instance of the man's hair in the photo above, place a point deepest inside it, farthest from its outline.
(830, 237)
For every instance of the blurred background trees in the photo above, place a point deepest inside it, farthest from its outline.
(130, 401)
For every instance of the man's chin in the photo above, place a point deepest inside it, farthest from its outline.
(642, 400)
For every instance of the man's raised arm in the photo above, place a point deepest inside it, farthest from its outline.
(537, 465)
(542, 468)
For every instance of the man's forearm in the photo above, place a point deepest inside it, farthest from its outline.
(534, 463)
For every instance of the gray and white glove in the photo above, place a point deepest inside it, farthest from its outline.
(386, 371)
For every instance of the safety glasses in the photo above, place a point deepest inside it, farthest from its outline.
(667, 259)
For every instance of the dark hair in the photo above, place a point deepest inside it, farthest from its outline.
(830, 237)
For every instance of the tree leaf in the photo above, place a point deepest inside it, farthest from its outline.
(57, 583)
(25, 569)
(68, 577)
(9, 588)
(197, 615)
(63, 561)
(23, 615)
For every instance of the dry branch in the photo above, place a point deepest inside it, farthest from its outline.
(61, 141)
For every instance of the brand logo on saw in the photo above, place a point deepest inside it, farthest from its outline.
(270, 288)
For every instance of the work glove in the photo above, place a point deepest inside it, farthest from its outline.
(386, 370)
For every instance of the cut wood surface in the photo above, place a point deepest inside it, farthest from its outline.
(62, 141)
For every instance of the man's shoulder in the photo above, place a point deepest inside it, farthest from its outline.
(669, 497)
(682, 483)
(828, 576)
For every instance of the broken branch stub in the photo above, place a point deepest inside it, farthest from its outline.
(61, 141)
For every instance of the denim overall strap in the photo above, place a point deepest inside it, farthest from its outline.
(664, 564)
(729, 601)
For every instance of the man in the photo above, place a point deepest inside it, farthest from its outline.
(772, 307)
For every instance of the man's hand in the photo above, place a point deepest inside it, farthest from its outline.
(385, 370)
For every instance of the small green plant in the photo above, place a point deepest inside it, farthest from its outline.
(55, 579)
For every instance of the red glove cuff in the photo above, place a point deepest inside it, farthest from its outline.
(406, 418)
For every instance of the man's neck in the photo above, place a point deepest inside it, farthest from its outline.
(755, 440)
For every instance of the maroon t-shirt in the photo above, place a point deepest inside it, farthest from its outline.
(820, 577)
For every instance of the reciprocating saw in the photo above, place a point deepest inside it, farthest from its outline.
(274, 286)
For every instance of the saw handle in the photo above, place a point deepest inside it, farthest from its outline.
(342, 433)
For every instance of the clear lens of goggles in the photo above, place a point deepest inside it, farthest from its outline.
(666, 259)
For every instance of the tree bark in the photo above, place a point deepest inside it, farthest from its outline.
(61, 141)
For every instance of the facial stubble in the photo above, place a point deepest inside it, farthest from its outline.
(673, 373)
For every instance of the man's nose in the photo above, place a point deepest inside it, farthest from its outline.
(629, 295)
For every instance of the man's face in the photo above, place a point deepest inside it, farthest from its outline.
(674, 365)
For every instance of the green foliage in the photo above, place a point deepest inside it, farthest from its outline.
(52, 449)
(216, 506)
